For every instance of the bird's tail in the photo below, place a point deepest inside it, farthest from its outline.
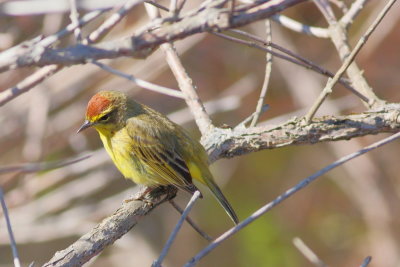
(221, 199)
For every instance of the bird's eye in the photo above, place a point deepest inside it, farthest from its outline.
(105, 118)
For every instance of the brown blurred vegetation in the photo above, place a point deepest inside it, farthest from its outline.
(349, 214)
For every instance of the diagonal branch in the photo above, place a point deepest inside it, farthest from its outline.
(302, 184)
(339, 38)
(347, 62)
(192, 99)
(267, 77)
(292, 57)
(178, 226)
(209, 19)
(109, 230)
(14, 249)
(42, 74)
(354, 10)
(300, 27)
(240, 141)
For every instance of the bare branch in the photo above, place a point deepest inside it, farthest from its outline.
(267, 76)
(38, 44)
(366, 261)
(352, 13)
(339, 37)
(74, 17)
(326, 10)
(13, 244)
(43, 166)
(27, 84)
(300, 27)
(141, 83)
(308, 253)
(250, 118)
(228, 143)
(212, 18)
(331, 82)
(40, 75)
(190, 221)
(192, 99)
(109, 230)
(173, 7)
(340, 4)
(111, 21)
(298, 60)
(28, 7)
(151, 2)
(304, 183)
(178, 226)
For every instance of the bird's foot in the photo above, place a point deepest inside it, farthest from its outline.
(149, 195)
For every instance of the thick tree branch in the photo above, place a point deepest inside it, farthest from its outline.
(211, 18)
(227, 143)
(109, 230)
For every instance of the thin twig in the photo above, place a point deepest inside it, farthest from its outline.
(40, 75)
(181, 5)
(286, 195)
(9, 58)
(74, 17)
(352, 13)
(250, 118)
(70, 28)
(173, 7)
(41, 166)
(331, 82)
(326, 10)
(40, 7)
(308, 253)
(141, 83)
(104, 28)
(191, 222)
(13, 244)
(300, 60)
(192, 99)
(146, 40)
(366, 261)
(267, 76)
(300, 27)
(178, 226)
(157, 5)
(340, 4)
(28, 83)
(339, 37)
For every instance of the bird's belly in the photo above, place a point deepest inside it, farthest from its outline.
(127, 163)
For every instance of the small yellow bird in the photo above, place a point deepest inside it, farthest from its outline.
(148, 148)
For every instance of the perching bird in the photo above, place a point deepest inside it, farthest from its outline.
(148, 148)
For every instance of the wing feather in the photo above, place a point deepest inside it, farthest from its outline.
(158, 152)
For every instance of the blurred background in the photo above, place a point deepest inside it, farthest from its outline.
(345, 216)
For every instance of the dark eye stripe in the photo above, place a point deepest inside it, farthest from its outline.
(105, 117)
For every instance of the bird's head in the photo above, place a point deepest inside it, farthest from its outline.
(105, 111)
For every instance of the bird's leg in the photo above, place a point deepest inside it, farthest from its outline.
(150, 194)
(141, 195)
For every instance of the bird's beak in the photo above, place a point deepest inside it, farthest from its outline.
(86, 124)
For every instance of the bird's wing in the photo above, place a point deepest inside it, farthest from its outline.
(158, 152)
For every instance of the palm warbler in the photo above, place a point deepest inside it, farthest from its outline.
(148, 148)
